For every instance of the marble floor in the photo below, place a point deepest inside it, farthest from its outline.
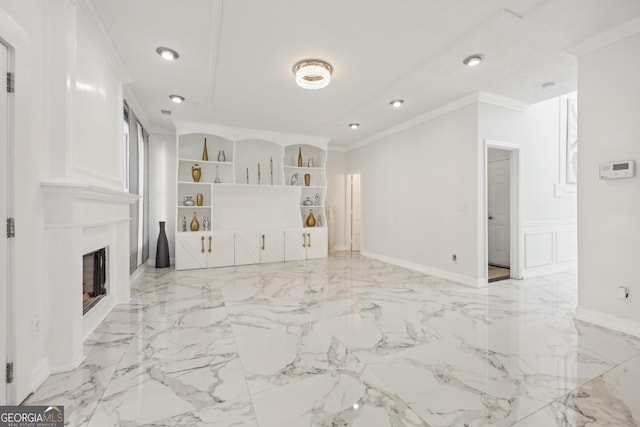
(348, 341)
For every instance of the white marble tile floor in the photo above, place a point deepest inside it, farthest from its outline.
(348, 341)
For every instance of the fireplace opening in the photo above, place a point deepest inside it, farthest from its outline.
(94, 278)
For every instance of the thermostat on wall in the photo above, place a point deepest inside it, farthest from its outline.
(615, 170)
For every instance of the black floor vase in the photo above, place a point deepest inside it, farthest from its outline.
(162, 251)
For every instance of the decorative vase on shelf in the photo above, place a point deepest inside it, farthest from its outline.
(205, 154)
(195, 225)
(162, 248)
(184, 223)
(319, 222)
(294, 179)
(188, 201)
(307, 202)
(307, 179)
(205, 223)
(317, 200)
(196, 172)
(217, 180)
(310, 162)
(299, 157)
(221, 156)
(199, 199)
(311, 220)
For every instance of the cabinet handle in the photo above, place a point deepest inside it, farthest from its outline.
(263, 242)
(309, 236)
(210, 239)
(202, 241)
(304, 240)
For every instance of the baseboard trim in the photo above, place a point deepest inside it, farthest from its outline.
(39, 373)
(458, 278)
(341, 248)
(607, 320)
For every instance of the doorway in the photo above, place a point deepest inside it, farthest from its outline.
(500, 166)
(4, 209)
(354, 233)
(498, 218)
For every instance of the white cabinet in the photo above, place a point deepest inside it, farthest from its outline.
(204, 250)
(247, 180)
(253, 247)
(307, 243)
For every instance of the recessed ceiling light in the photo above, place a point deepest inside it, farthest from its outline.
(177, 98)
(548, 84)
(312, 74)
(473, 60)
(354, 125)
(168, 54)
(397, 103)
(167, 112)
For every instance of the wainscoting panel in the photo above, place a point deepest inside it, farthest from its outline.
(549, 247)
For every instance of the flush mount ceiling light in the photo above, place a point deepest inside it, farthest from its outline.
(168, 54)
(473, 60)
(396, 103)
(312, 74)
(354, 125)
(177, 98)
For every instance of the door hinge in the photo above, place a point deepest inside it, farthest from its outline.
(10, 82)
(11, 227)
(9, 373)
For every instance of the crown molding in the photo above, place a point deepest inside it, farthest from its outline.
(605, 38)
(88, 11)
(162, 131)
(337, 149)
(502, 101)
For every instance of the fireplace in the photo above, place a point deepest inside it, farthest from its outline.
(94, 278)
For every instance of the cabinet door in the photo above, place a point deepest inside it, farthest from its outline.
(295, 244)
(247, 248)
(317, 243)
(272, 246)
(221, 247)
(190, 251)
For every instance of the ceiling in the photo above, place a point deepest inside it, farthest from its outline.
(237, 57)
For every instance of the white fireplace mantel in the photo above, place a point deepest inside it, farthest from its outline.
(81, 218)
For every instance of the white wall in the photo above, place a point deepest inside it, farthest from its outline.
(548, 235)
(336, 197)
(419, 196)
(58, 134)
(162, 191)
(609, 210)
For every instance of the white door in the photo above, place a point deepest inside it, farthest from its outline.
(272, 246)
(190, 251)
(498, 212)
(295, 244)
(220, 249)
(317, 243)
(355, 213)
(247, 248)
(4, 209)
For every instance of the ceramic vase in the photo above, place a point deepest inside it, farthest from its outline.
(300, 157)
(221, 156)
(188, 201)
(195, 225)
(199, 199)
(311, 220)
(162, 248)
(307, 179)
(196, 172)
(205, 154)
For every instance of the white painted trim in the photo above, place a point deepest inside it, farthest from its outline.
(340, 248)
(430, 271)
(485, 97)
(562, 190)
(516, 243)
(134, 105)
(606, 320)
(605, 38)
(139, 273)
(39, 373)
(184, 127)
(84, 225)
(555, 224)
(97, 314)
(12, 32)
(70, 190)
